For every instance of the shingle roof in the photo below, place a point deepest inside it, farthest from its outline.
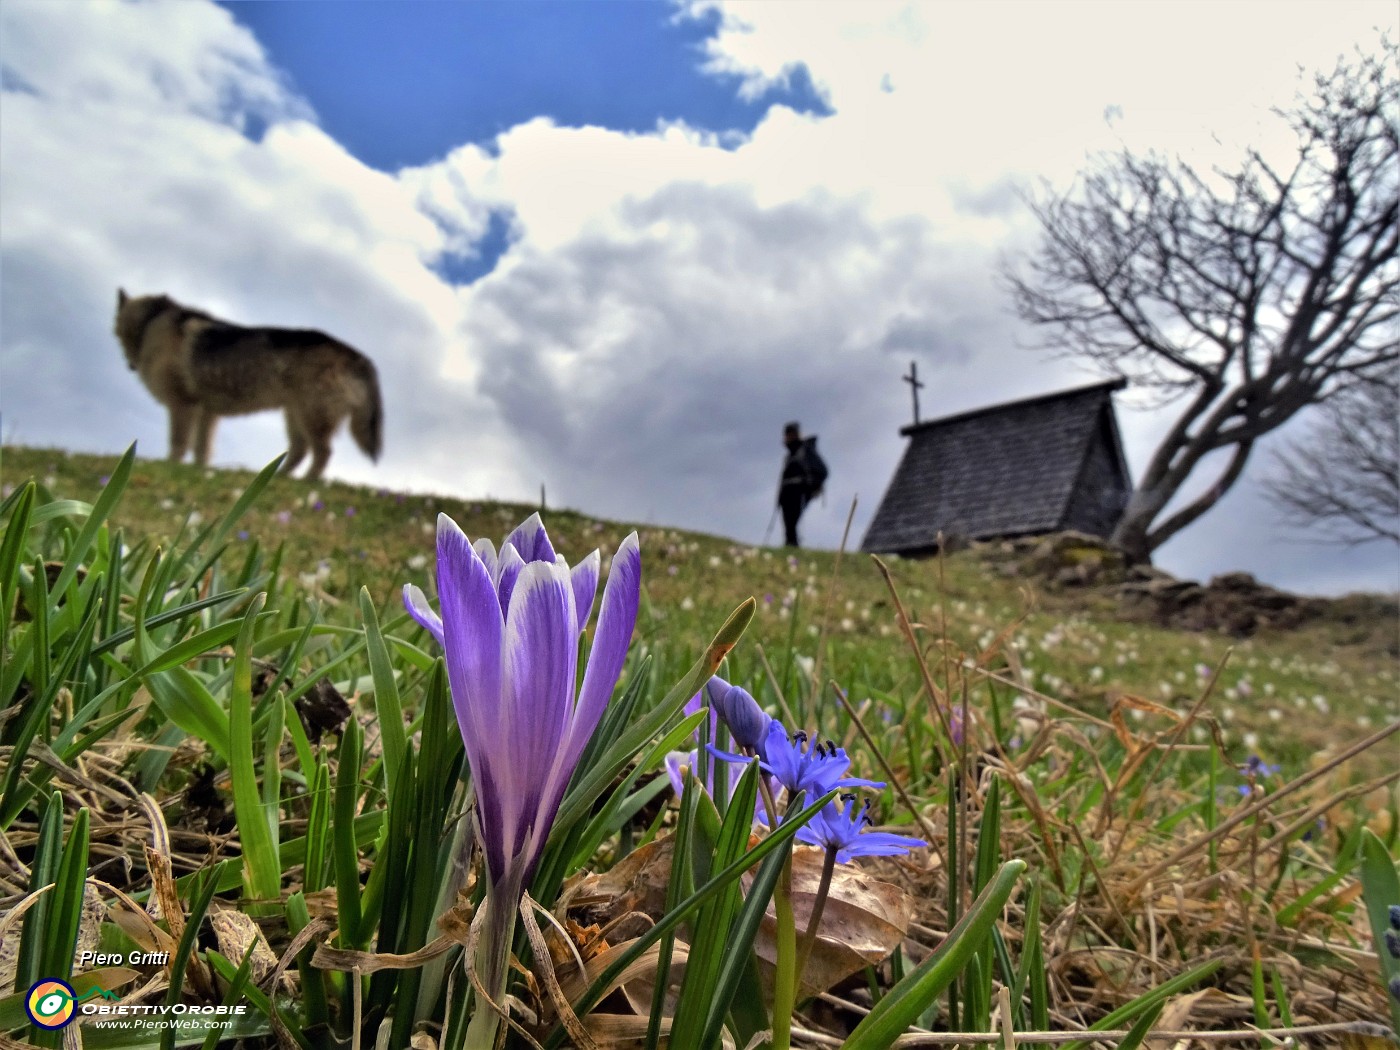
(1005, 470)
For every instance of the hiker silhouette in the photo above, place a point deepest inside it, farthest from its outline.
(804, 474)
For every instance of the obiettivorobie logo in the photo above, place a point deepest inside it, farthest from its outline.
(52, 1003)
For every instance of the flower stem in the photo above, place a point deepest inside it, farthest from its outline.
(785, 979)
(809, 938)
(493, 968)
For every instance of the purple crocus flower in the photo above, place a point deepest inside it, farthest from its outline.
(842, 828)
(510, 627)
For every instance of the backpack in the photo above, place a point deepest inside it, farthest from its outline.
(816, 468)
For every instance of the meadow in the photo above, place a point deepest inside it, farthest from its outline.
(224, 739)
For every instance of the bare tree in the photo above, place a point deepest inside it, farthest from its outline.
(1240, 296)
(1345, 479)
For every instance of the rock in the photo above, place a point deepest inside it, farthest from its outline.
(1235, 603)
(1076, 559)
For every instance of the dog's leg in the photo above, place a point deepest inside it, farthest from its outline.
(296, 443)
(204, 421)
(181, 420)
(320, 447)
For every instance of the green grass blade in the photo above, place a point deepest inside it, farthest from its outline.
(675, 893)
(43, 871)
(1132, 1010)
(614, 811)
(347, 853)
(255, 824)
(1141, 1028)
(185, 949)
(737, 989)
(106, 500)
(1380, 888)
(594, 993)
(192, 648)
(711, 940)
(586, 791)
(386, 695)
(13, 546)
(902, 1006)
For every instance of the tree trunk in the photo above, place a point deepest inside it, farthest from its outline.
(1130, 537)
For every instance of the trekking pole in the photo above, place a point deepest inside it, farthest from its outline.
(772, 519)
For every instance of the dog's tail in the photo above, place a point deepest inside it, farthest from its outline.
(367, 418)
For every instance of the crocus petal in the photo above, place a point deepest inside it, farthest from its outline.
(416, 602)
(472, 635)
(585, 580)
(486, 551)
(531, 541)
(508, 566)
(677, 762)
(541, 658)
(616, 620)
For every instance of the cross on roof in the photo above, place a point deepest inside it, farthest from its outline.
(914, 386)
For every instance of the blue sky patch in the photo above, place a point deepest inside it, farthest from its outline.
(460, 268)
(403, 83)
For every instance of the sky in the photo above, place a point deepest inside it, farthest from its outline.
(611, 248)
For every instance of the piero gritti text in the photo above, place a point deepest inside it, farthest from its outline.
(118, 959)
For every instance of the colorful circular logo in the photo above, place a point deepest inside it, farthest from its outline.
(50, 1003)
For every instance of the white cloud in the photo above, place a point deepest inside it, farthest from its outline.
(668, 299)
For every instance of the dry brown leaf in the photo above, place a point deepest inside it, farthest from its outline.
(863, 922)
(142, 929)
(637, 980)
(1176, 1016)
(624, 1032)
(235, 933)
(348, 959)
(108, 978)
(635, 883)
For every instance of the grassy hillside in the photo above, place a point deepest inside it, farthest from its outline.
(1124, 823)
(1285, 695)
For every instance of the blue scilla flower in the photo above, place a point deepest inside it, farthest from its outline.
(747, 722)
(801, 764)
(842, 828)
(1256, 767)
